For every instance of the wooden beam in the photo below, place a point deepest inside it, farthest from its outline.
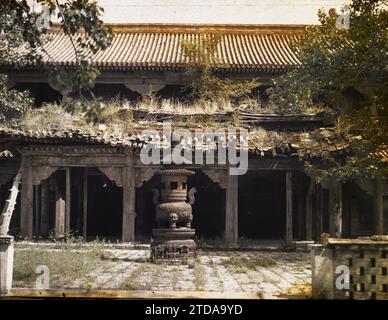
(27, 202)
(231, 209)
(85, 205)
(335, 209)
(378, 206)
(289, 235)
(68, 201)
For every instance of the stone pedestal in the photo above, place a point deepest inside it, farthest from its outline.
(173, 243)
(6, 263)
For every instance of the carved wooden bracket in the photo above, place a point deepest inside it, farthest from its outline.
(217, 176)
(42, 173)
(114, 174)
(142, 175)
(146, 87)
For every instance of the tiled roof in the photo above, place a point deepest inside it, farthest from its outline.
(249, 49)
(69, 136)
(260, 142)
(382, 154)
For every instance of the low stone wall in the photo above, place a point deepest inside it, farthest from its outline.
(351, 269)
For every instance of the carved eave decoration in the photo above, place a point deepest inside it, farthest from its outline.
(40, 173)
(144, 174)
(114, 174)
(69, 150)
(218, 176)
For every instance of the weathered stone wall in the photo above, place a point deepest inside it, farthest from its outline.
(362, 263)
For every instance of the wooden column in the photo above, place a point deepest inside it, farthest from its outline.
(335, 209)
(309, 211)
(289, 235)
(59, 210)
(27, 202)
(129, 198)
(68, 201)
(79, 205)
(85, 204)
(378, 206)
(37, 210)
(301, 215)
(231, 212)
(44, 218)
(319, 210)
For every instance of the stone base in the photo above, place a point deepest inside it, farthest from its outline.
(6, 263)
(172, 243)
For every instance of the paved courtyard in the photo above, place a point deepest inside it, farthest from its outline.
(269, 274)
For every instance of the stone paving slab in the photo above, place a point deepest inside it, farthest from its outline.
(267, 274)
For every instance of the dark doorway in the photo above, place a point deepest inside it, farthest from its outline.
(209, 206)
(105, 208)
(261, 205)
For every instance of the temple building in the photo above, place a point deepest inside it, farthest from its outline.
(94, 184)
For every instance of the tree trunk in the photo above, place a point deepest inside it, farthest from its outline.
(6, 214)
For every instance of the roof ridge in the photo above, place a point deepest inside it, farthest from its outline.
(202, 28)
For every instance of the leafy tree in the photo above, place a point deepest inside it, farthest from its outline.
(345, 70)
(13, 103)
(203, 82)
(79, 20)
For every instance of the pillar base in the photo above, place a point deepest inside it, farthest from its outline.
(6, 263)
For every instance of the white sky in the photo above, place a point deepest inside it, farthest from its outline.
(216, 11)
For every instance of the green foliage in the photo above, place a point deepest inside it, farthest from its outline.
(13, 103)
(80, 21)
(12, 39)
(203, 82)
(83, 15)
(360, 161)
(345, 70)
